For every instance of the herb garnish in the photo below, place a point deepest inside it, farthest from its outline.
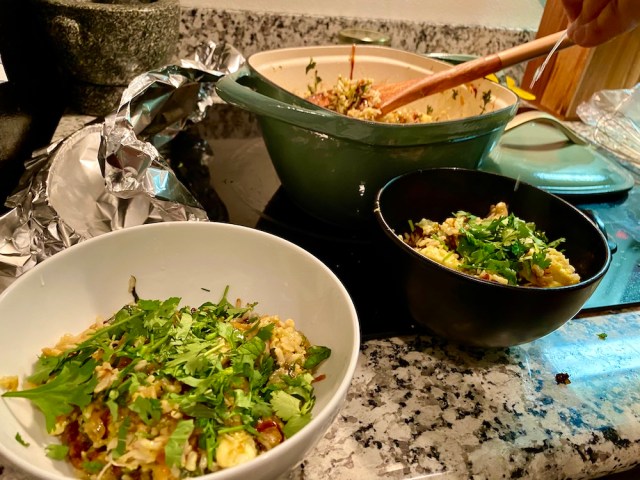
(507, 246)
(21, 440)
(313, 87)
(211, 366)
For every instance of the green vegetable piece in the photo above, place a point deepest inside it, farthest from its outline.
(56, 451)
(122, 438)
(93, 467)
(311, 65)
(602, 336)
(286, 406)
(316, 354)
(21, 440)
(295, 424)
(43, 369)
(73, 386)
(177, 441)
(148, 409)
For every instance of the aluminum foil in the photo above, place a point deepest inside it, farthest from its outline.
(121, 172)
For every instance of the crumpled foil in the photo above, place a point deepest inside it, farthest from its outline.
(121, 172)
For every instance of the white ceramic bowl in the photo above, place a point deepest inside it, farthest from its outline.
(65, 293)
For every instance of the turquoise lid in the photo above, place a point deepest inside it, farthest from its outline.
(538, 151)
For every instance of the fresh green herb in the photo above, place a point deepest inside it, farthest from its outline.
(506, 246)
(148, 409)
(602, 336)
(73, 386)
(21, 440)
(121, 446)
(92, 467)
(175, 446)
(316, 355)
(486, 99)
(212, 365)
(313, 87)
(311, 65)
(57, 451)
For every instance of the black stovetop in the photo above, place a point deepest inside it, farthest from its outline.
(358, 259)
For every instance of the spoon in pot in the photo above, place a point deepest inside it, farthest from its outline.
(395, 95)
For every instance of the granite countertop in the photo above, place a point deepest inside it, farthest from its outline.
(419, 407)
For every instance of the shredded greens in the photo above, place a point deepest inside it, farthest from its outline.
(507, 246)
(197, 374)
(500, 247)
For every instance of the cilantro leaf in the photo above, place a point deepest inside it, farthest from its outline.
(93, 467)
(284, 405)
(316, 354)
(21, 440)
(43, 369)
(57, 451)
(148, 409)
(122, 438)
(177, 441)
(295, 423)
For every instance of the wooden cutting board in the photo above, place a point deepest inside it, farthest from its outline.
(575, 74)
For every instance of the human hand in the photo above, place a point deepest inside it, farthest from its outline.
(597, 21)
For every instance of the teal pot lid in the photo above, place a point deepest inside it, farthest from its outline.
(538, 149)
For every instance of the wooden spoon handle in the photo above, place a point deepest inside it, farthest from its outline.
(402, 93)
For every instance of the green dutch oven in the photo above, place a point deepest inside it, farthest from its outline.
(332, 165)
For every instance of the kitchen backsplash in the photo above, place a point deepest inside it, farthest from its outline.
(252, 32)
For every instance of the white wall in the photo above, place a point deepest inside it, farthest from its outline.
(516, 14)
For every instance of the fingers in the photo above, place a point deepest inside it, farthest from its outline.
(602, 20)
(572, 8)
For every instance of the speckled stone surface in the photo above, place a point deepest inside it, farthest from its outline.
(254, 32)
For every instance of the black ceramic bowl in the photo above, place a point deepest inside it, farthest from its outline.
(468, 310)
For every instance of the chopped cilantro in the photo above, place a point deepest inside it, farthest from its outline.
(92, 467)
(57, 451)
(177, 441)
(486, 98)
(21, 440)
(286, 406)
(602, 336)
(507, 246)
(315, 355)
(311, 66)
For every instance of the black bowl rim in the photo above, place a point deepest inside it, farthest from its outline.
(423, 260)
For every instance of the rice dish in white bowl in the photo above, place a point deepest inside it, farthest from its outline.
(196, 262)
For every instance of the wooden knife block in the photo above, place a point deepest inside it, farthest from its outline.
(574, 74)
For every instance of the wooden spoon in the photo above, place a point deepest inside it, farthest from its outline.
(395, 95)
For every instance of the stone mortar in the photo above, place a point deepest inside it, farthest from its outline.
(104, 44)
